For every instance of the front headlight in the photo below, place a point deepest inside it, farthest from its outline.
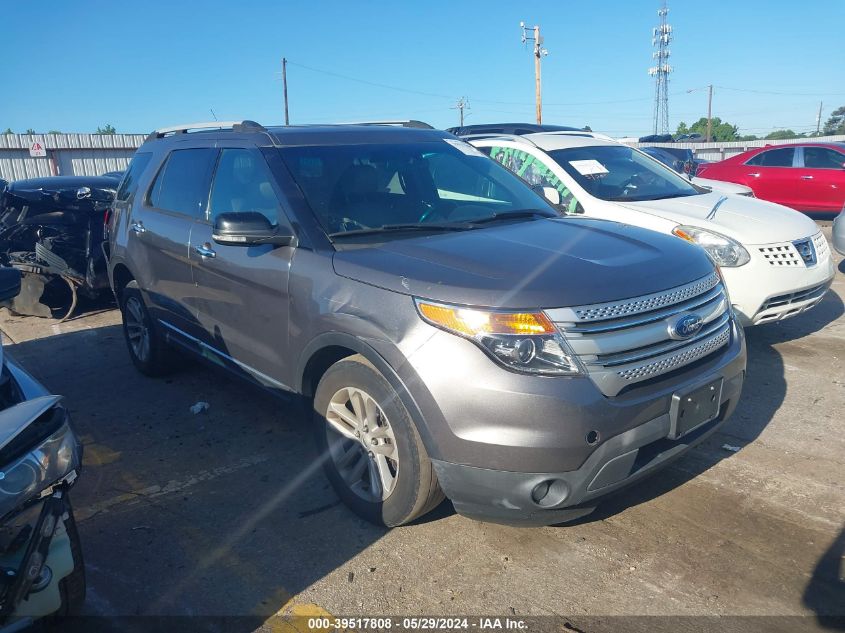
(49, 461)
(724, 250)
(526, 342)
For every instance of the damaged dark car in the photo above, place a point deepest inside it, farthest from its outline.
(52, 230)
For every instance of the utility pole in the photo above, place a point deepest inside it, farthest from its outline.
(460, 106)
(539, 53)
(285, 87)
(710, 113)
(819, 119)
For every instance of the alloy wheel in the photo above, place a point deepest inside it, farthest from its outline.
(137, 330)
(362, 444)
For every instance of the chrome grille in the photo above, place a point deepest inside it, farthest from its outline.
(644, 304)
(628, 341)
(677, 360)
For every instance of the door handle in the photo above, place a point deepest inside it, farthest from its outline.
(755, 174)
(206, 251)
(137, 227)
(806, 177)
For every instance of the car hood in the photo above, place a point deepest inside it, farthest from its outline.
(721, 186)
(533, 264)
(748, 220)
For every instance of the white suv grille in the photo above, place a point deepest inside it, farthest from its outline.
(624, 342)
(782, 255)
(787, 254)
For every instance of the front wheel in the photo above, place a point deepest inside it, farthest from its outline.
(372, 451)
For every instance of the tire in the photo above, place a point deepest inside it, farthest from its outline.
(383, 473)
(149, 352)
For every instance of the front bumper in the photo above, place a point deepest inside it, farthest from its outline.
(507, 497)
(494, 435)
(762, 292)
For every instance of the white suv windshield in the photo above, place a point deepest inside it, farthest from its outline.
(620, 173)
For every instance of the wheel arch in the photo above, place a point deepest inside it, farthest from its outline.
(329, 348)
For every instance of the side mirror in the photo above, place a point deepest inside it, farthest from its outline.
(549, 193)
(10, 283)
(249, 228)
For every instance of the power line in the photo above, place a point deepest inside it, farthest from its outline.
(788, 94)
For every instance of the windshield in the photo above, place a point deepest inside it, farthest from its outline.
(620, 173)
(436, 185)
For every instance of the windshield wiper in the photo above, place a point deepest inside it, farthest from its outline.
(509, 215)
(387, 228)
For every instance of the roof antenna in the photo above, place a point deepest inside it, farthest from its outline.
(212, 113)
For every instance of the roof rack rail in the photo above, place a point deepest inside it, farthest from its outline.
(236, 126)
(409, 123)
(519, 138)
(583, 133)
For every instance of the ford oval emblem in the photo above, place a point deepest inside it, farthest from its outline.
(685, 327)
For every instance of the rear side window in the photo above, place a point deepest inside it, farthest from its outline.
(774, 158)
(823, 158)
(129, 184)
(182, 183)
(534, 172)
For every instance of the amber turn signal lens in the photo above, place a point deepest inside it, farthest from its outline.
(473, 322)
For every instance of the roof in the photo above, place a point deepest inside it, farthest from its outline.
(552, 141)
(295, 135)
(303, 135)
(65, 182)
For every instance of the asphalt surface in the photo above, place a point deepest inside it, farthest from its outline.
(224, 513)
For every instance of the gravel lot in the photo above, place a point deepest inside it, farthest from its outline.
(223, 513)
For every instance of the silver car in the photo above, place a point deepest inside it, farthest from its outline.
(839, 232)
(450, 332)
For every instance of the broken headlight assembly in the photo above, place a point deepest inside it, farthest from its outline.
(526, 342)
(44, 453)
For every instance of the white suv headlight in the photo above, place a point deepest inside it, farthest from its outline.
(527, 342)
(725, 251)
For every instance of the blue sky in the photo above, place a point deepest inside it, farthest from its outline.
(139, 65)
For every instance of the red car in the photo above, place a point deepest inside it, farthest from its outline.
(808, 177)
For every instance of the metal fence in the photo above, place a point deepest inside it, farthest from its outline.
(721, 151)
(94, 154)
(67, 154)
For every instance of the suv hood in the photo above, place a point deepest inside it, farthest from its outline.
(748, 220)
(528, 265)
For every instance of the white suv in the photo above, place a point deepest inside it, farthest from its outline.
(776, 262)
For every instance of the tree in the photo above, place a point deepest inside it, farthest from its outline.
(30, 131)
(54, 132)
(836, 123)
(721, 131)
(779, 135)
(107, 129)
(8, 131)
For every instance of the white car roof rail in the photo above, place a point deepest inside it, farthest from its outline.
(206, 125)
(517, 138)
(584, 133)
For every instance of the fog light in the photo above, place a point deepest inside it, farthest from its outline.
(540, 491)
(593, 437)
(551, 492)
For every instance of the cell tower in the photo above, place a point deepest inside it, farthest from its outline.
(661, 35)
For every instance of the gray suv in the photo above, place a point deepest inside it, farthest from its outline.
(453, 335)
